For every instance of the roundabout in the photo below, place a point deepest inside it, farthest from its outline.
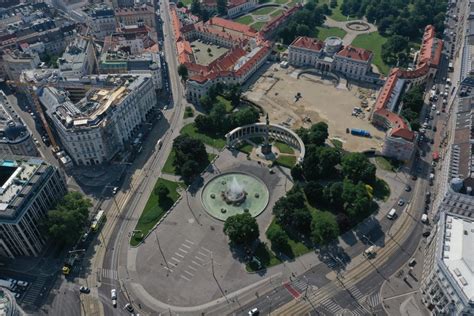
(234, 193)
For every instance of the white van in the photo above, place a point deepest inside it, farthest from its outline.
(424, 218)
(392, 214)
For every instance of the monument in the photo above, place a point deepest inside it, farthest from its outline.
(266, 146)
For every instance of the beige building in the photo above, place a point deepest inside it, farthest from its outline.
(15, 62)
(135, 15)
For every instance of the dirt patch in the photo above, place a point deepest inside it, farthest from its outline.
(321, 100)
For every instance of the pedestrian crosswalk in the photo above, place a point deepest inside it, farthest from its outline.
(34, 291)
(374, 299)
(110, 274)
(355, 292)
(331, 306)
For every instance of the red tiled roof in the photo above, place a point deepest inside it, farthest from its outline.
(277, 21)
(209, 3)
(236, 3)
(308, 43)
(234, 26)
(355, 53)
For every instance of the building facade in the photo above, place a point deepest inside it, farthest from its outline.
(135, 15)
(30, 187)
(15, 62)
(15, 138)
(101, 124)
(101, 21)
(240, 7)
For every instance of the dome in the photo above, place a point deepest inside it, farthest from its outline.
(332, 45)
(14, 131)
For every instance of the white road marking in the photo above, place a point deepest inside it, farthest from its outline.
(184, 245)
(185, 277)
(173, 258)
(192, 268)
(182, 250)
(202, 254)
(168, 269)
(188, 273)
(179, 255)
(198, 264)
(189, 241)
(206, 249)
(199, 258)
(173, 264)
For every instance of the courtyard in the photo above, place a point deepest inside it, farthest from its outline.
(321, 100)
(205, 53)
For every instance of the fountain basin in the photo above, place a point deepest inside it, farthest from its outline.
(235, 192)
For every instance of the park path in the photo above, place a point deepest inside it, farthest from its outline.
(350, 34)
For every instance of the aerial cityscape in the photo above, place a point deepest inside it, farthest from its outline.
(236, 157)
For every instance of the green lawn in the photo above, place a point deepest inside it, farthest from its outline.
(276, 13)
(245, 148)
(245, 19)
(373, 41)
(266, 258)
(286, 161)
(168, 167)
(284, 148)
(227, 104)
(325, 32)
(154, 209)
(280, 1)
(187, 2)
(263, 11)
(191, 130)
(294, 248)
(188, 112)
(258, 25)
(387, 164)
(337, 143)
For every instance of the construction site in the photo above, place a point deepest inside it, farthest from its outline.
(295, 99)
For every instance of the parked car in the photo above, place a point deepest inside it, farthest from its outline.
(128, 307)
(254, 312)
(401, 202)
(407, 188)
(113, 296)
(84, 289)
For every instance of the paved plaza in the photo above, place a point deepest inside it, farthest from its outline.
(193, 244)
(206, 53)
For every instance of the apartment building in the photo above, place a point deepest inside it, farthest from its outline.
(101, 21)
(15, 62)
(135, 15)
(29, 187)
(240, 7)
(102, 123)
(15, 138)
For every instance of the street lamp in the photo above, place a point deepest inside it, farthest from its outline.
(270, 299)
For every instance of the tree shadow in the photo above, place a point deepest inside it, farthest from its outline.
(370, 232)
(334, 256)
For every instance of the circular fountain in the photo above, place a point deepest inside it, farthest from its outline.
(234, 193)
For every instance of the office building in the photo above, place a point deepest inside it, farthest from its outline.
(78, 60)
(29, 188)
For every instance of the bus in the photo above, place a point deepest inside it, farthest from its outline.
(98, 220)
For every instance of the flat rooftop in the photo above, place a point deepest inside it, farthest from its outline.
(458, 253)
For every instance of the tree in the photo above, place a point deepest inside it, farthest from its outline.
(183, 72)
(356, 167)
(333, 4)
(190, 157)
(393, 47)
(189, 170)
(324, 228)
(244, 116)
(314, 192)
(162, 191)
(66, 222)
(209, 50)
(196, 7)
(242, 229)
(318, 134)
(277, 236)
(297, 173)
(222, 7)
(180, 4)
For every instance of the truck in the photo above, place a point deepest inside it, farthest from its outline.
(360, 132)
(370, 252)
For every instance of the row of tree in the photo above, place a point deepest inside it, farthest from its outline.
(304, 22)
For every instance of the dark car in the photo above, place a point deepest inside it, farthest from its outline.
(128, 307)
(407, 188)
(414, 177)
(426, 233)
(84, 289)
